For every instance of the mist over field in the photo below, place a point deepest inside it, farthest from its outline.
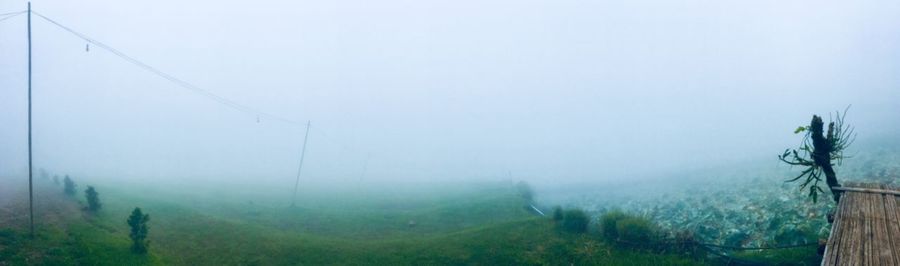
(423, 97)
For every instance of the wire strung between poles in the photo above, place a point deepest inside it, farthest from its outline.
(11, 15)
(184, 84)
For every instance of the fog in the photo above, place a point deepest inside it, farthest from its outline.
(420, 91)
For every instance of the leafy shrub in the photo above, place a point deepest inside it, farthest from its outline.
(575, 221)
(616, 225)
(557, 214)
(69, 186)
(636, 230)
(138, 223)
(93, 199)
(608, 223)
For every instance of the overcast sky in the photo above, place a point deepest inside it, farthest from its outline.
(564, 90)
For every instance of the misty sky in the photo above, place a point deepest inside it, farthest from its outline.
(565, 90)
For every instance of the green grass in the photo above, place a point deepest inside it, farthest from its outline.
(454, 225)
(791, 256)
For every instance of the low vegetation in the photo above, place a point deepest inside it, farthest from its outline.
(629, 229)
(482, 224)
(608, 224)
(557, 214)
(575, 221)
(458, 225)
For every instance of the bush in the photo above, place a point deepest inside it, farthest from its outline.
(636, 230)
(69, 186)
(633, 230)
(138, 223)
(608, 223)
(575, 221)
(93, 199)
(557, 214)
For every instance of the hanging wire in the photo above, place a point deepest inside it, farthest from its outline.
(11, 15)
(181, 83)
(253, 112)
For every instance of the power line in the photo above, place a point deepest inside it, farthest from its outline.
(184, 84)
(11, 15)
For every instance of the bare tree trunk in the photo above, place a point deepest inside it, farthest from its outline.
(822, 152)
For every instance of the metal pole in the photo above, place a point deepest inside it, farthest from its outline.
(302, 154)
(30, 186)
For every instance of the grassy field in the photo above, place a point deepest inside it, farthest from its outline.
(483, 224)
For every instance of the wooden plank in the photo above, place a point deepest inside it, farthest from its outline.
(849, 252)
(896, 231)
(859, 230)
(867, 190)
(846, 238)
(866, 229)
(885, 256)
(875, 221)
(832, 247)
(876, 224)
(866, 226)
(893, 215)
(892, 227)
(887, 252)
(868, 238)
(896, 225)
(847, 234)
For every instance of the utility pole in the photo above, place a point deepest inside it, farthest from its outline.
(302, 154)
(30, 167)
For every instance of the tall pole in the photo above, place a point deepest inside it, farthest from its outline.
(30, 186)
(302, 154)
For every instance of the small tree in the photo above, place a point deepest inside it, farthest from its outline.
(609, 223)
(56, 180)
(817, 152)
(138, 223)
(575, 221)
(69, 186)
(93, 199)
(557, 214)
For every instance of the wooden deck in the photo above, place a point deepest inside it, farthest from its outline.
(866, 229)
